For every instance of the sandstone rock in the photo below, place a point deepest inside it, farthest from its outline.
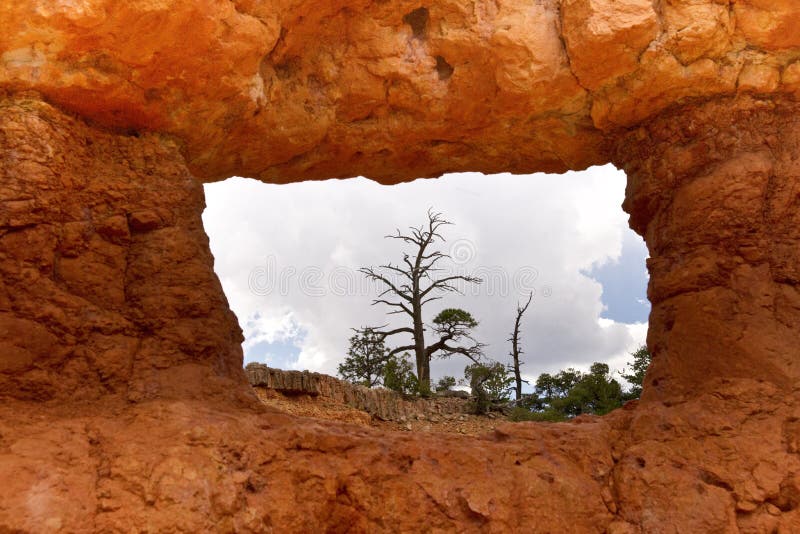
(759, 78)
(769, 24)
(90, 304)
(605, 38)
(124, 402)
(280, 92)
(379, 402)
(712, 190)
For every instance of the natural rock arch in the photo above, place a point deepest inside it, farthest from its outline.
(124, 402)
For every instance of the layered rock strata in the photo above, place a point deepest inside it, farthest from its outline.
(382, 403)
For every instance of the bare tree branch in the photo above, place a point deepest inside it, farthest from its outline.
(516, 350)
(424, 282)
(444, 283)
(401, 349)
(403, 307)
(370, 273)
(429, 299)
(474, 353)
(391, 267)
(384, 335)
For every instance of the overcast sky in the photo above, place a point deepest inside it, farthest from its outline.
(287, 256)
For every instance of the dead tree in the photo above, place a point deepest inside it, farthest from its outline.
(414, 283)
(516, 349)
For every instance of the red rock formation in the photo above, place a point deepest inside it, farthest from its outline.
(295, 89)
(713, 189)
(124, 405)
(106, 280)
(123, 398)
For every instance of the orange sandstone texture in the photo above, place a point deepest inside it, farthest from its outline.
(106, 279)
(192, 466)
(124, 405)
(167, 436)
(713, 188)
(296, 89)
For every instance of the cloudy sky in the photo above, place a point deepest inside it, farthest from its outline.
(288, 256)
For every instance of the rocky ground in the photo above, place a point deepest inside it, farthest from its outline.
(323, 408)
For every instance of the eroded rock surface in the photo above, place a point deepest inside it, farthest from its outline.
(298, 89)
(164, 436)
(381, 403)
(713, 188)
(106, 279)
(124, 405)
(190, 466)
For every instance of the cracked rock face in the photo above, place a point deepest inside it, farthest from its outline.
(124, 405)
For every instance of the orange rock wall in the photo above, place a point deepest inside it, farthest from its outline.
(106, 279)
(124, 405)
(167, 438)
(296, 89)
(713, 188)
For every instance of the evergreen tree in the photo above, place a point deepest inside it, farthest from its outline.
(570, 393)
(446, 383)
(595, 393)
(366, 359)
(641, 361)
(489, 382)
(398, 375)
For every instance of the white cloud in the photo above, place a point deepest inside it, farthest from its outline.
(261, 328)
(290, 254)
